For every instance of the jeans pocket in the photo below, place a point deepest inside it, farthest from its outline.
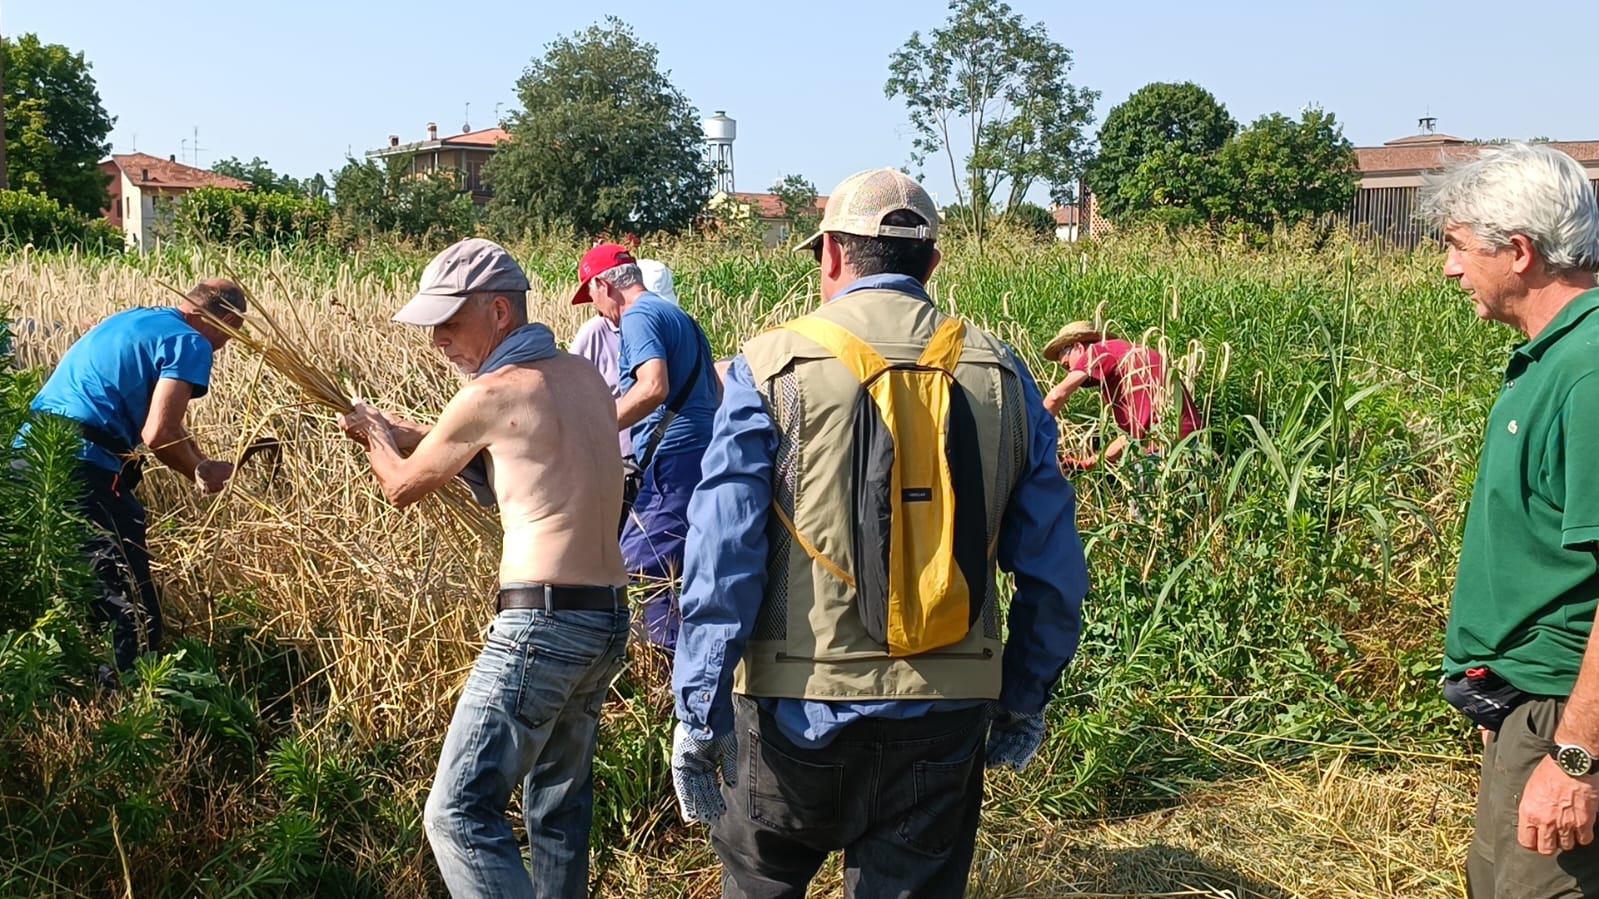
(558, 663)
(942, 790)
(790, 795)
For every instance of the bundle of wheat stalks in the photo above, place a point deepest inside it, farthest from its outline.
(281, 350)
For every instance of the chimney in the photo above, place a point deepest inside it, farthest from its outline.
(172, 157)
(433, 131)
(394, 140)
(144, 174)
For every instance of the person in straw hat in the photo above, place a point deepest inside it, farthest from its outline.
(1131, 379)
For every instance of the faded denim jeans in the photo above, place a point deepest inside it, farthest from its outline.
(530, 712)
(900, 798)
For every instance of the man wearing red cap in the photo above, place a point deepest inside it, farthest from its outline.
(669, 393)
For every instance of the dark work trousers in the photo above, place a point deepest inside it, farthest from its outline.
(653, 539)
(121, 561)
(1498, 866)
(901, 798)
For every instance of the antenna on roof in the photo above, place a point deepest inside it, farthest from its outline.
(196, 162)
(466, 119)
(497, 120)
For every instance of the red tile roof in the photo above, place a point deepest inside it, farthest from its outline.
(1412, 155)
(145, 170)
(1065, 215)
(768, 206)
(486, 137)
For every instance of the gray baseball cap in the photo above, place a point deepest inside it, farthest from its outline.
(472, 266)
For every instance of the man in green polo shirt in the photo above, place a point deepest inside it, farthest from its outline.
(1522, 228)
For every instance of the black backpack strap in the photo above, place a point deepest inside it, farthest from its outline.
(676, 404)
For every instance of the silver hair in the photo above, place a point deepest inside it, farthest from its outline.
(623, 276)
(1520, 188)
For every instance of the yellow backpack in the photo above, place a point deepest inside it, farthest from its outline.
(919, 516)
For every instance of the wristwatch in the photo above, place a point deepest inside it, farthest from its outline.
(1574, 760)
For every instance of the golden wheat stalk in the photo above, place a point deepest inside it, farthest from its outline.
(452, 507)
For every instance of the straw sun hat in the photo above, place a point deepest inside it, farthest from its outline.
(1073, 334)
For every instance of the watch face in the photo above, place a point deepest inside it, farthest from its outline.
(1574, 760)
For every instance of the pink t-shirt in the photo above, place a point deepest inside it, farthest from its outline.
(1132, 378)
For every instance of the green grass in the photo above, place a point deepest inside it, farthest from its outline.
(1274, 593)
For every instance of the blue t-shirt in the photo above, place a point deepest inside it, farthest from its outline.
(107, 378)
(652, 328)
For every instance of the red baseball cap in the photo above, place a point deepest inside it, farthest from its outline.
(602, 258)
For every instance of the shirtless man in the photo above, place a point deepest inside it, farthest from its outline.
(530, 708)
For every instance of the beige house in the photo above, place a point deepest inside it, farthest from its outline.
(465, 152)
(145, 189)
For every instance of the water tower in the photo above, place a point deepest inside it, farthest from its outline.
(719, 134)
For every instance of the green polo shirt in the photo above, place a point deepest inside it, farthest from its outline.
(1528, 580)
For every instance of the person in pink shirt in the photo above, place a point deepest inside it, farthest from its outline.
(1132, 381)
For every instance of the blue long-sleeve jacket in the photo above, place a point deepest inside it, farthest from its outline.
(724, 574)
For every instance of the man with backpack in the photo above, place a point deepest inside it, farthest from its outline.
(840, 666)
(668, 393)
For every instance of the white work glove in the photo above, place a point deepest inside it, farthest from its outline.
(695, 763)
(1014, 738)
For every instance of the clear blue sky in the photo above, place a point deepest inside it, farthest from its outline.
(301, 84)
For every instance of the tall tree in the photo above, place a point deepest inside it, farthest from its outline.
(4, 183)
(387, 198)
(55, 126)
(991, 84)
(261, 176)
(603, 143)
(798, 196)
(1280, 172)
(1157, 150)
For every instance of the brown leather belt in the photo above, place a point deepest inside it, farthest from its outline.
(561, 597)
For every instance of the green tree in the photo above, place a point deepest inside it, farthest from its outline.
(374, 199)
(1282, 172)
(798, 196)
(55, 127)
(261, 176)
(1157, 150)
(988, 81)
(603, 143)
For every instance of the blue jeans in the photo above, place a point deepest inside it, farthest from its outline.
(530, 712)
(654, 536)
(900, 797)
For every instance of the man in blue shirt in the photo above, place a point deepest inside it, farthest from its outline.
(126, 382)
(669, 392)
(856, 747)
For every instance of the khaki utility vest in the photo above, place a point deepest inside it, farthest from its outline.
(810, 640)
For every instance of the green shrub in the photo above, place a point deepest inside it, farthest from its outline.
(217, 215)
(29, 218)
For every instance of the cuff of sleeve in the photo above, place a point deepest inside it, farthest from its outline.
(1579, 537)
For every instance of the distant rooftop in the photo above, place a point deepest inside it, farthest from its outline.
(484, 138)
(1428, 151)
(152, 171)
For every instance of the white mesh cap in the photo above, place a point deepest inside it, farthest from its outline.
(860, 203)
